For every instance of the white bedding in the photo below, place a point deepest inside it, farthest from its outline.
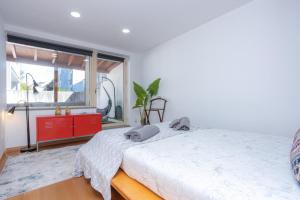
(215, 165)
(101, 157)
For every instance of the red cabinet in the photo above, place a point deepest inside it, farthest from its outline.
(52, 128)
(86, 124)
(67, 126)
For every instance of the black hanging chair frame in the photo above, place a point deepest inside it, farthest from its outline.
(105, 111)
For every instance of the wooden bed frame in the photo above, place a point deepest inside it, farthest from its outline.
(131, 189)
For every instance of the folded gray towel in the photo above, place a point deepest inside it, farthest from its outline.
(174, 123)
(130, 132)
(182, 123)
(144, 133)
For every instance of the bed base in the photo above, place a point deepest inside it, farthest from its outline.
(131, 189)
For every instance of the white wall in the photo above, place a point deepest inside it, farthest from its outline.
(2, 87)
(240, 71)
(135, 74)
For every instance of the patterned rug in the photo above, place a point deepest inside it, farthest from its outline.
(30, 171)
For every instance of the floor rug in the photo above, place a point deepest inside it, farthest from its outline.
(30, 171)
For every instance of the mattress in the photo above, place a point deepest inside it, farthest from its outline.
(215, 165)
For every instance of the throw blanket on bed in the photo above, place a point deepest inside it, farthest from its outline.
(100, 158)
(295, 156)
(215, 164)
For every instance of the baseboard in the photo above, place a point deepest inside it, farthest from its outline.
(2, 161)
(12, 151)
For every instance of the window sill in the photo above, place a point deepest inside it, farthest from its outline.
(114, 125)
(22, 108)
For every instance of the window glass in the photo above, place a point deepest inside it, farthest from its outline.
(71, 86)
(16, 83)
(110, 97)
(61, 76)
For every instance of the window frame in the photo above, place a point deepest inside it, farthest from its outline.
(126, 86)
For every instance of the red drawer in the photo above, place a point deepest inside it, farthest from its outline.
(87, 124)
(52, 128)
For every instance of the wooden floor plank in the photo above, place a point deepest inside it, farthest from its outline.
(71, 189)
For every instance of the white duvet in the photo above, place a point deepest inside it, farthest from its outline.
(215, 165)
(100, 158)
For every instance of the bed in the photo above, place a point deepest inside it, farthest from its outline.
(99, 159)
(199, 164)
(215, 165)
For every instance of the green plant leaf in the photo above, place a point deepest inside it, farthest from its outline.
(139, 90)
(153, 87)
(139, 103)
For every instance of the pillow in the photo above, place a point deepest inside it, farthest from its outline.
(295, 156)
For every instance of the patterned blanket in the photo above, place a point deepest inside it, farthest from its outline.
(295, 156)
(100, 159)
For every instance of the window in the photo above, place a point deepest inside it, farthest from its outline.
(59, 71)
(66, 76)
(110, 88)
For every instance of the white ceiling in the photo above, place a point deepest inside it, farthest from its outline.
(151, 21)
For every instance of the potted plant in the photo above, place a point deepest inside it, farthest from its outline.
(144, 96)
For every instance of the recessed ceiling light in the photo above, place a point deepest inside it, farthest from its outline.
(75, 14)
(125, 30)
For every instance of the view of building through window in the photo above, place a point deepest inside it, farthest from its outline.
(61, 76)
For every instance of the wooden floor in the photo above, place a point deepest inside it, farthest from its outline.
(71, 189)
